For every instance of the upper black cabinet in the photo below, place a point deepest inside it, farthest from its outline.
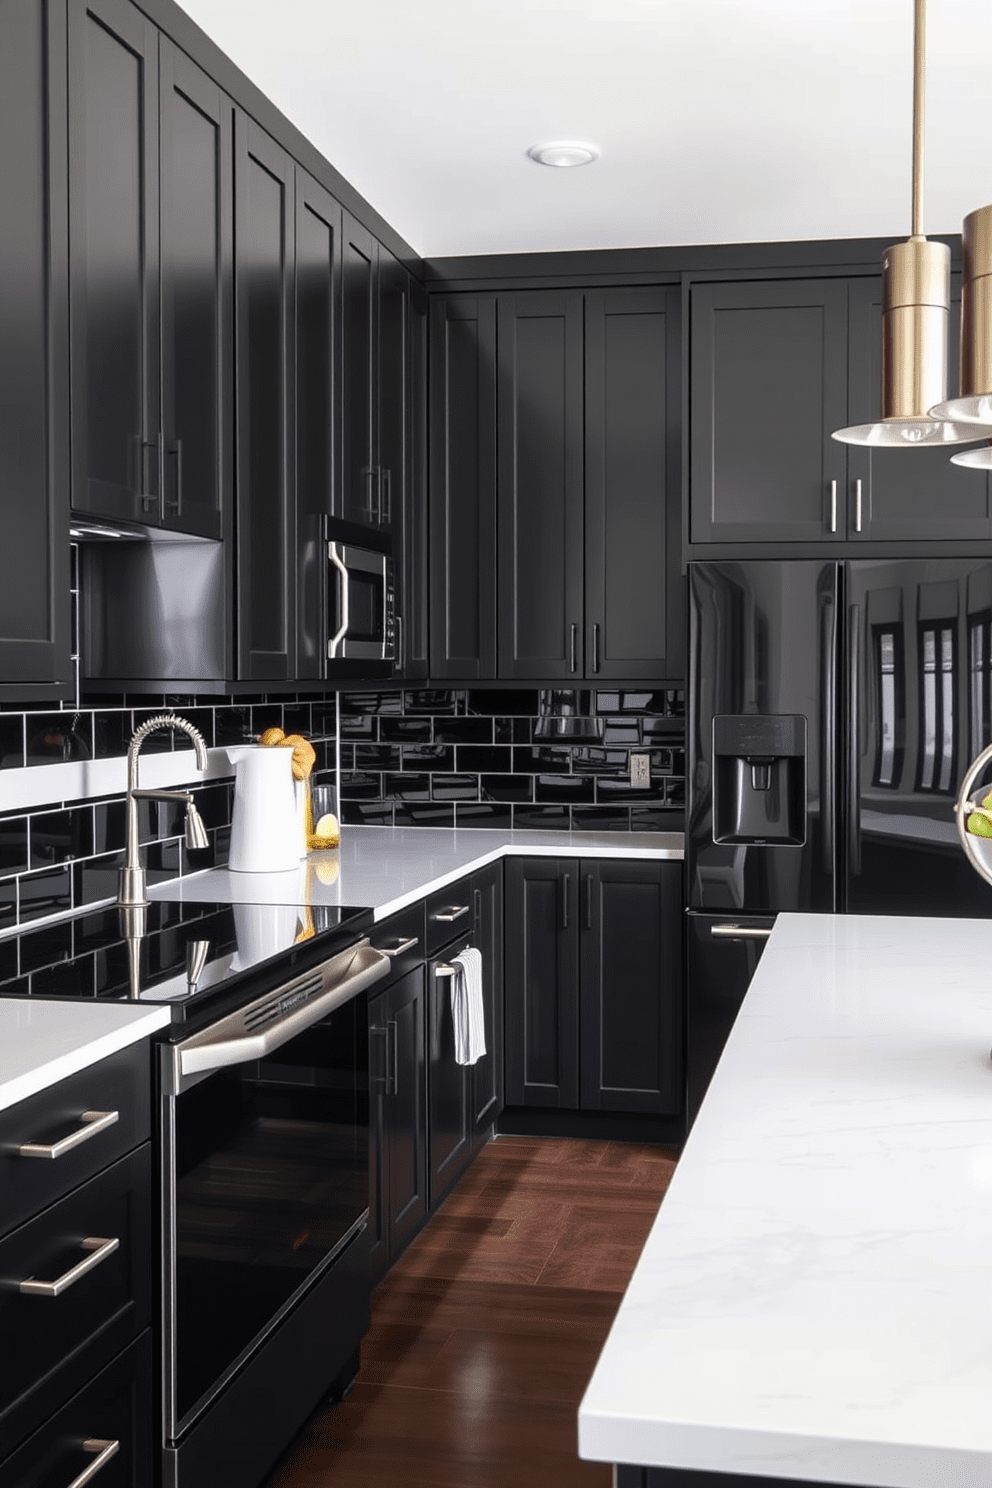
(776, 367)
(151, 255)
(34, 404)
(412, 608)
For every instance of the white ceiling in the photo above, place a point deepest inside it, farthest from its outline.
(718, 120)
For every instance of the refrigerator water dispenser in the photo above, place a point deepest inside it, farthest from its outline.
(759, 778)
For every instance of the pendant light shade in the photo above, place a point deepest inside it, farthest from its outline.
(916, 295)
(975, 401)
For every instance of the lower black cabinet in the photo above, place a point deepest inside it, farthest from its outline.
(486, 888)
(398, 1118)
(593, 984)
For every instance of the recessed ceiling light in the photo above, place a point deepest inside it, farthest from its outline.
(563, 153)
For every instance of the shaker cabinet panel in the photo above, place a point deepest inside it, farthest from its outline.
(360, 494)
(486, 888)
(34, 404)
(412, 610)
(542, 983)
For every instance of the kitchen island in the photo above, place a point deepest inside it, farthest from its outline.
(812, 1302)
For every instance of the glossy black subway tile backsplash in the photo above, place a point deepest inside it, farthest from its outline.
(480, 754)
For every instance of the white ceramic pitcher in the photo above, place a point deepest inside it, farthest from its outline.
(267, 825)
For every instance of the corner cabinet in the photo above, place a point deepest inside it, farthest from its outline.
(34, 392)
(593, 985)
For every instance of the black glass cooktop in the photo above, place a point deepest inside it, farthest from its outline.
(170, 953)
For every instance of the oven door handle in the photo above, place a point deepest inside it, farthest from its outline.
(203, 1054)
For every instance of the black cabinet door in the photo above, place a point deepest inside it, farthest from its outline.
(265, 363)
(318, 280)
(463, 487)
(392, 388)
(631, 978)
(634, 591)
(542, 983)
(906, 493)
(486, 889)
(768, 386)
(34, 402)
(197, 273)
(539, 474)
(114, 291)
(398, 1118)
(449, 1124)
(360, 486)
(413, 649)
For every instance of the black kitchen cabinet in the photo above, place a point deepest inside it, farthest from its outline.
(768, 387)
(899, 494)
(413, 652)
(539, 486)
(486, 1089)
(593, 985)
(398, 1117)
(449, 1084)
(463, 487)
(264, 204)
(317, 285)
(34, 391)
(361, 495)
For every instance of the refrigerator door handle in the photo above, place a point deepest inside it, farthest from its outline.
(828, 725)
(854, 736)
(740, 932)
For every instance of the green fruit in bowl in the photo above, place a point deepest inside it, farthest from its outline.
(979, 824)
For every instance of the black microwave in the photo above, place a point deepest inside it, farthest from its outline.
(361, 598)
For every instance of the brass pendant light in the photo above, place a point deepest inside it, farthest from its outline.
(916, 280)
(975, 402)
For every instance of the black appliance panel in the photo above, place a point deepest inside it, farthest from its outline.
(722, 953)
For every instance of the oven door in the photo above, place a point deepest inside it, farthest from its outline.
(363, 614)
(265, 1172)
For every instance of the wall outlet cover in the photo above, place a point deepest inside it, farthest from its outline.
(640, 770)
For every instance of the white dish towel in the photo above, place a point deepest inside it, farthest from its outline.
(467, 1012)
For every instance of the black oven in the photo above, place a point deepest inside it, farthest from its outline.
(265, 1194)
(362, 598)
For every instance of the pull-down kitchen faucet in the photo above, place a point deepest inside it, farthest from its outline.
(131, 893)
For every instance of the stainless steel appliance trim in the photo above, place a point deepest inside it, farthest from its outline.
(573, 628)
(857, 506)
(454, 912)
(397, 950)
(93, 1123)
(833, 506)
(226, 1043)
(105, 1450)
(101, 1249)
(169, 1290)
(740, 932)
(335, 640)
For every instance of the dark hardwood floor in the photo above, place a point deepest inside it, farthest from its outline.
(485, 1333)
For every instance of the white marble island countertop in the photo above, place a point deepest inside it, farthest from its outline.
(388, 868)
(814, 1300)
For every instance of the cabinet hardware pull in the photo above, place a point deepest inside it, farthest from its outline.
(588, 901)
(386, 499)
(442, 969)
(566, 889)
(397, 950)
(105, 1450)
(381, 1071)
(595, 646)
(477, 911)
(572, 630)
(857, 506)
(372, 481)
(455, 912)
(740, 932)
(93, 1122)
(393, 1075)
(175, 447)
(100, 1250)
(833, 506)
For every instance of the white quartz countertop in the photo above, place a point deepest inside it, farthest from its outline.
(388, 868)
(42, 1042)
(815, 1297)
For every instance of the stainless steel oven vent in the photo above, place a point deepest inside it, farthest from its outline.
(284, 1001)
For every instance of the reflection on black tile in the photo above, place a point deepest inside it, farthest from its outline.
(407, 787)
(423, 814)
(377, 757)
(620, 791)
(483, 814)
(507, 702)
(564, 788)
(11, 740)
(405, 730)
(601, 819)
(54, 738)
(511, 730)
(428, 757)
(555, 817)
(622, 731)
(59, 836)
(44, 893)
(675, 793)
(455, 787)
(297, 719)
(13, 844)
(324, 716)
(663, 729)
(233, 726)
(359, 785)
(541, 760)
(109, 826)
(434, 700)
(362, 729)
(8, 901)
(496, 759)
(96, 878)
(112, 730)
(8, 959)
(656, 819)
(45, 947)
(591, 760)
(70, 980)
(367, 813)
(380, 703)
(464, 731)
(215, 803)
(508, 787)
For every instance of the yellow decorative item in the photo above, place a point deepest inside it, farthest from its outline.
(271, 736)
(326, 833)
(304, 755)
(327, 869)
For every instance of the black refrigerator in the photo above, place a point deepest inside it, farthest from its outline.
(833, 709)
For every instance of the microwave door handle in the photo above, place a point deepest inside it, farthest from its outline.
(338, 639)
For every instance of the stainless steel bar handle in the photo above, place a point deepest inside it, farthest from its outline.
(93, 1123)
(397, 950)
(740, 932)
(572, 639)
(339, 564)
(588, 901)
(100, 1247)
(442, 969)
(833, 506)
(595, 646)
(445, 917)
(857, 506)
(105, 1450)
(566, 890)
(393, 1074)
(175, 503)
(386, 501)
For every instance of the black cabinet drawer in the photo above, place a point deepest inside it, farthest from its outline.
(115, 1407)
(449, 913)
(118, 1087)
(402, 938)
(98, 1310)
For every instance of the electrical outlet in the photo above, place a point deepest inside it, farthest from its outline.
(640, 770)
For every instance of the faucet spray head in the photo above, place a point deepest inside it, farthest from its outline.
(196, 832)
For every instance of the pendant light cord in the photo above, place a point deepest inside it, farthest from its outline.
(919, 68)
